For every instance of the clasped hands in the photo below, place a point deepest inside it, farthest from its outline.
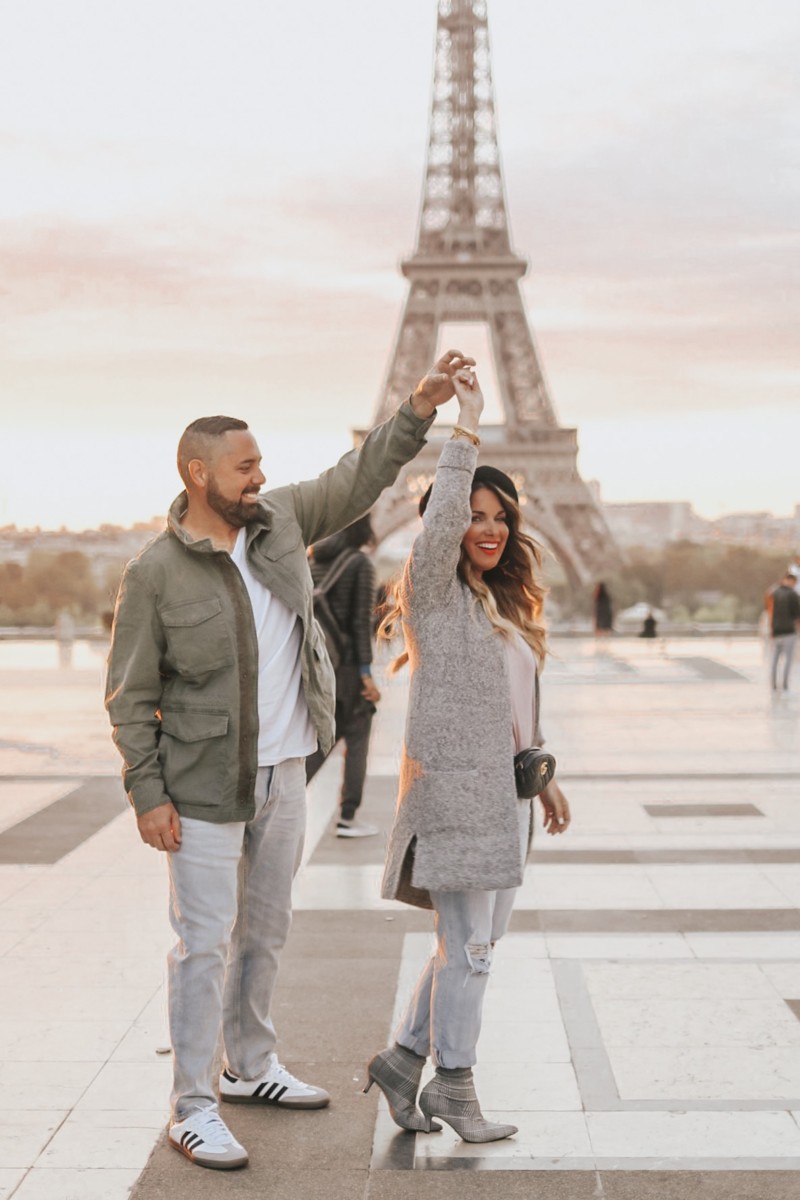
(438, 386)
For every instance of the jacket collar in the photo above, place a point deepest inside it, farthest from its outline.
(178, 509)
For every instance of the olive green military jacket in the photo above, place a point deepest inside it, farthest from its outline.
(183, 667)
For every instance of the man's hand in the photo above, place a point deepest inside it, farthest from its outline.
(437, 386)
(555, 809)
(161, 827)
(369, 689)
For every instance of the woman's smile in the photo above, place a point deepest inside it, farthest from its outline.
(485, 540)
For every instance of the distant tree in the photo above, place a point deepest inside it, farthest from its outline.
(64, 580)
(680, 577)
(47, 585)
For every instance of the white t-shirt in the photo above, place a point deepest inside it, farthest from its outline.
(285, 729)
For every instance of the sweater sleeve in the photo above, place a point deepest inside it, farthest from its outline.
(436, 551)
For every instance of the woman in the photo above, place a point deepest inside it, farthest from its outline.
(470, 608)
(601, 602)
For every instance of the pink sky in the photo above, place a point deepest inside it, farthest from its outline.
(203, 206)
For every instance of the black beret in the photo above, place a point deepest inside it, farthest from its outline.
(489, 477)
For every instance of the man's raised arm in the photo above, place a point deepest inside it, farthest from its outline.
(347, 490)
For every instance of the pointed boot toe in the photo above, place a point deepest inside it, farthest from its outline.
(452, 1098)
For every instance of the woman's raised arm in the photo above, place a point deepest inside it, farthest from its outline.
(436, 550)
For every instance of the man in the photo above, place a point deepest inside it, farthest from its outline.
(784, 612)
(351, 601)
(219, 686)
(794, 571)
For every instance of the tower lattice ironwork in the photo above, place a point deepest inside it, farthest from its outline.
(464, 270)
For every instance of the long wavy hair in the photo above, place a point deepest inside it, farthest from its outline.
(509, 594)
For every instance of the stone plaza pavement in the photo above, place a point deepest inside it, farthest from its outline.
(642, 1024)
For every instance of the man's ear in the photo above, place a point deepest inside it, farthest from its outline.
(198, 472)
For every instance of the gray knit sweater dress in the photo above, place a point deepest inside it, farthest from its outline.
(456, 825)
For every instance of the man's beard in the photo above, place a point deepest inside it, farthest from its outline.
(236, 512)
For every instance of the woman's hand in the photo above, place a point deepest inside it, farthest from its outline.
(555, 809)
(470, 399)
(437, 386)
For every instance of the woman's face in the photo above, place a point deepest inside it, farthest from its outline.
(485, 540)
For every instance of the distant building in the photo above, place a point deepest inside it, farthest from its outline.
(655, 523)
(107, 547)
(759, 529)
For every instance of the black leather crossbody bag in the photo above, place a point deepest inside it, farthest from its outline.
(533, 770)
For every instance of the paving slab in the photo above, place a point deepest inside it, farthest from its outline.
(641, 1022)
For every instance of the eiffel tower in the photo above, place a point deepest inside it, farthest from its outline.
(464, 270)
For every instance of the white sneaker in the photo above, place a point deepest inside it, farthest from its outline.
(276, 1086)
(206, 1140)
(355, 829)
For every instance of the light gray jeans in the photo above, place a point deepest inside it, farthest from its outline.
(231, 907)
(783, 645)
(443, 1018)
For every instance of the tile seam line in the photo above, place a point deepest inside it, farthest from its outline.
(644, 776)
(71, 1110)
(612, 1165)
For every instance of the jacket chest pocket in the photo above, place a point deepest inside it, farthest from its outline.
(197, 637)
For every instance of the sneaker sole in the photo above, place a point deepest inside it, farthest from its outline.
(312, 1102)
(213, 1166)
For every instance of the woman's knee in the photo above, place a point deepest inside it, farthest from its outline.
(479, 957)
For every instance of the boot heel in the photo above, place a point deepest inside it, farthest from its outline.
(397, 1073)
(430, 1125)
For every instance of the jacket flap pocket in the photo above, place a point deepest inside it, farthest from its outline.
(194, 726)
(193, 612)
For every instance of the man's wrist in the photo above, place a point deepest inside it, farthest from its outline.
(419, 404)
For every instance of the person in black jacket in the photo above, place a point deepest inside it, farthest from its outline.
(784, 610)
(351, 600)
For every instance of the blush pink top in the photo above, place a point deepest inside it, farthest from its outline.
(522, 677)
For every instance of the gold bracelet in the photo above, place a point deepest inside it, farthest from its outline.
(460, 431)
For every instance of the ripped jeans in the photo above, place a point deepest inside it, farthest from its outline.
(443, 1017)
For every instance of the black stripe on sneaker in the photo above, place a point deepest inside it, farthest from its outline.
(262, 1088)
(190, 1139)
(280, 1093)
(230, 1078)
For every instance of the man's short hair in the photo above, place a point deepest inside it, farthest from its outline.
(199, 439)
